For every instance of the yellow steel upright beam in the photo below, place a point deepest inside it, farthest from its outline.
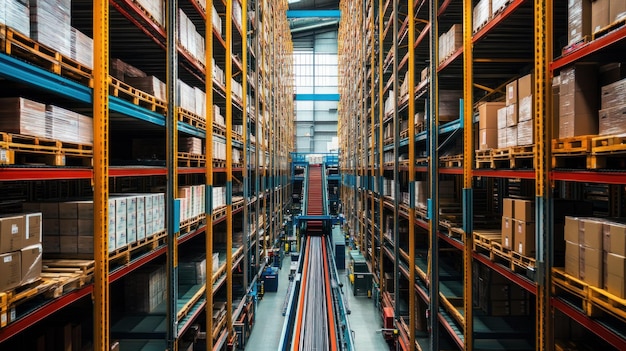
(412, 316)
(244, 117)
(229, 168)
(543, 201)
(468, 153)
(372, 129)
(101, 173)
(208, 193)
(381, 117)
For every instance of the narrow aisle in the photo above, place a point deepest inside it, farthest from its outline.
(265, 335)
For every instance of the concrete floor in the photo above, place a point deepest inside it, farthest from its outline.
(364, 319)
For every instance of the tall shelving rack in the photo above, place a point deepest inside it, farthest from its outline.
(421, 245)
(255, 49)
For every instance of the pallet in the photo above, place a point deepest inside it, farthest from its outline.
(483, 240)
(64, 282)
(513, 157)
(608, 302)
(575, 46)
(571, 152)
(192, 224)
(483, 159)
(404, 134)
(191, 118)
(605, 149)
(566, 285)
(219, 212)
(15, 44)
(85, 267)
(186, 159)
(219, 129)
(127, 253)
(501, 9)
(219, 163)
(26, 149)
(453, 230)
(13, 297)
(608, 29)
(135, 96)
(500, 254)
(451, 161)
(522, 262)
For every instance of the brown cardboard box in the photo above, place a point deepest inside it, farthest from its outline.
(617, 241)
(617, 10)
(511, 93)
(49, 210)
(68, 210)
(508, 207)
(31, 263)
(488, 139)
(578, 20)
(525, 108)
(10, 270)
(572, 232)
(612, 120)
(571, 125)
(592, 236)
(524, 210)
(488, 114)
(51, 244)
(12, 232)
(424, 74)
(507, 232)
(511, 115)
(599, 14)
(85, 227)
(85, 209)
(525, 86)
(524, 238)
(85, 244)
(616, 267)
(592, 276)
(591, 266)
(572, 259)
(613, 94)
(50, 227)
(68, 227)
(525, 133)
(22, 116)
(68, 244)
(32, 234)
(611, 73)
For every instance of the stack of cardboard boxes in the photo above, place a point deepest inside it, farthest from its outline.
(578, 91)
(20, 250)
(191, 201)
(487, 123)
(450, 41)
(613, 100)
(518, 226)
(515, 121)
(586, 17)
(595, 252)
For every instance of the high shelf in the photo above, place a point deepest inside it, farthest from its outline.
(428, 182)
(215, 163)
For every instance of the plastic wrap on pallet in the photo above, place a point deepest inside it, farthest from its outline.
(50, 22)
(150, 85)
(613, 95)
(200, 48)
(613, 120)
(455, 38)
(190, 145)
(63, 124)
(192, 272)
(217, 21)
(16, 14)
(191, 37)
(525, 109)
(502, 143)
(525, 133)
(511, 136)
(219, 150)
(85, 129)
(236, 155)
(186, 96)
(237, 13)
(155, 9)
(482, 12)
(502, 113)
(81, 47)
(617, 11)
(182, 28)
(578, 20)
(200, 98)
(23, 116)
(497, 5)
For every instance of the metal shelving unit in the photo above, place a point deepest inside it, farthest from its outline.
(397, 43)
(120, 28)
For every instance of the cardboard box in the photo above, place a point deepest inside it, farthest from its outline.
(572, 259)
(488, 114)
(572, 232)
(508, 207)
(68, 227)
(593, 231)
(617, 10)
(12, 232)
(131, 219)
(10, 270)
(424, 74)
(611, 73)
(68, 244)
(571, 125)
(616, 267)
(22, 116)
(502, 117)
(525, 133)
(519, 307)
(525, 86)
(612, 120)
(85, 227)
(32, 234)
(524, 238)
(85, 244)
(141, 217)
(617, 239)
(488, 139)
(112, 225)
(507, 232)
(49, 210)
(579, 20)
(556, 105)
(31, 263)
(502, 138)
(511, 136)
(525, 108)
(511, 115)
(68, 210)
(120, 222)
(51, 244)
(524, 210)
(613, 95)
(599, 15)
(511, 93)
(85, 209)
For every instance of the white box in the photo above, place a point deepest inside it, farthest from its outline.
(112, 227)
(120, 222)
(141, 217)
(131, 219)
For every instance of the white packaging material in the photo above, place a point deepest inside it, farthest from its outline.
(200, 99)
(23, 116)
(51, 24)
(155, 9)
(16, 14)
(81, 48)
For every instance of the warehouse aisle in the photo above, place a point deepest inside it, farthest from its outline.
(364, 318)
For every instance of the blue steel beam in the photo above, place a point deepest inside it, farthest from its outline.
(313, 14)
(317, 97)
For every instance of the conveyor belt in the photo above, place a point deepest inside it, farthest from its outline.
(315, 199)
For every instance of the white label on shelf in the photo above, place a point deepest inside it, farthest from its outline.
(506, 241)
(520, 248)
(3, 155)
(14, 229)
(8, 259)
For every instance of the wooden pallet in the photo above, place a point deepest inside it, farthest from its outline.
(219, 129)
(135, 96)
(451, 161)
(607, 152)
(572, 146)
(452, 229)
(13, 297)
(18, 45)
(608, 29)
(85, 267)
(64, 282)
(575, 46)
(219, 213)
(483, 240)
(26, 149)
(219, 163)
(186, 159)
(500, 254)
(404, 134)
(191, 118)
(127, 253)
(608, 302)
(513, 157)
(522, 262)
(570, 287)
(192, 224)
(484, 159)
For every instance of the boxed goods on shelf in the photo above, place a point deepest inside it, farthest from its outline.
(584, 249)
(219, 150)
(151, 85)
(190, 145)
(186, 96)
(450, 41)
(16, 14)
(578, 20)
(518, 227)
(217, 21)
(487, 123)
(31, 263)
(237, 13)
(146, 289)
(389, 103)
(192, 271)
(191, 201)
(498, 5)
(200, 97)
(449, 105)
(424, 74)
(617, 11)
(23, 116)
(50, 24)
(481, 14)
(122, 70)
(20, 249)
(525, 133)
(613, 107)
(68, 126)
(599, 14)
(10, 270)
(81, 48)
(155, 9)
(219, 197)
(578, 113)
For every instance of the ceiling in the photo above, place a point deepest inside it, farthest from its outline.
(303, 27)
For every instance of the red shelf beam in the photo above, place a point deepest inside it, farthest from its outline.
(591, 177)
(504, 173)
(514, 277)
(590, 48)
(597, 328)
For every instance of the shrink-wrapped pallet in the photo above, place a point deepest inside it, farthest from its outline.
(50, 24)
(81, 48)
(16, 14)
(23, 116)
(150, 84)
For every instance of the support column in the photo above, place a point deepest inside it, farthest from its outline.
(396, 146)
(412, 316)
(229, 168)
(208, 193)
